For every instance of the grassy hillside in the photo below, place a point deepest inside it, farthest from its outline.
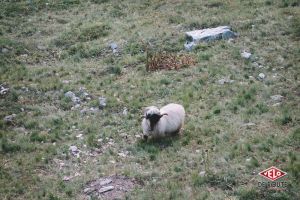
(232, 130)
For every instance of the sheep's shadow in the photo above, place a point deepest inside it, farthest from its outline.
(157, 143)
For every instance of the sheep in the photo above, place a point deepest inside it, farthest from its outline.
(161, 122)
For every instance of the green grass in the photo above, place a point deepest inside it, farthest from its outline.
(49, 49)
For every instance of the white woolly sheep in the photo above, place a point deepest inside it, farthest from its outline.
(158, 123)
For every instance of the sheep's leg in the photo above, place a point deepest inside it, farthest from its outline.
(145, 137)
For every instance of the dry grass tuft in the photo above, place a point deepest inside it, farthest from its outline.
(164, 60)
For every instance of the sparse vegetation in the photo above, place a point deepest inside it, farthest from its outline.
(232, 130)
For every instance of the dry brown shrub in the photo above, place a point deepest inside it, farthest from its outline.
(165, 60)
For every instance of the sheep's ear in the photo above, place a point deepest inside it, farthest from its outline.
(163, 115)
(143, 116)
(146, 110)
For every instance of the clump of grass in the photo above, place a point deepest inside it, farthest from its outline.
(9, 147)
(294, 165)
(224, 182)
(99, 1)
(253, 163)
(83, 33)
(250, 194)
(287, 3)
(176, 19)
(296, 26)
(117, 70)
(37, 137)
(93, 32)
(264, 147)
(217, 111)
(204, 57)
(92, 140)
(296, 135)
(82, 50)
(246, 97)
(133, 48)
(165, 81)
(13, 48)
(284, 119)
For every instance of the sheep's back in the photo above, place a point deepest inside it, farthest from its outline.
(175, 118)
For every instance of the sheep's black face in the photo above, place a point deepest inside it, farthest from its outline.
(153, 118)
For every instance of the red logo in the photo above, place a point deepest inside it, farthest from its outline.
(272, 173)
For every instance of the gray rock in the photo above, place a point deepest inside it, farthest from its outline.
(261, 76)
(93, 110)
(202, 173)
(3, 90)
(225, 80)
(276, 104)
(77, 106)
(246, 55)
(76, 100)
(114, 47)
(65, 81)
(189, 45)
(84, 111)
(74, 150)
(105, 181)
(277, 98)
(9, 118)
(89, 190)
(41, 47)
(208, 35)
(106, 189)
(70, 94)
(125, 111)
(4, 50)
(249, 124)
(102, 102)
(73, 97)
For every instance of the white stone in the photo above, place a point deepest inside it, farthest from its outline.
(73, 149)
(41, 47)
(211, 34)
(113, 46)
(125, 112)
(9, 118)
(202, 173)
(105, 189)
(249, 124)
(208, 35)
(261, 76)
(70, 94)
(4, 50)
(246, 55)
(3, 90)
(189, 45)
(277, 98)
(225, 80)
(100, 140)
(105, 181)
(102, 102)
(276, 104)
(122, 154)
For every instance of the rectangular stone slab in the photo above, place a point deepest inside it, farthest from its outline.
(210, 34)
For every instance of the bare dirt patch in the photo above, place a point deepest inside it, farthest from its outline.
(111, 187)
